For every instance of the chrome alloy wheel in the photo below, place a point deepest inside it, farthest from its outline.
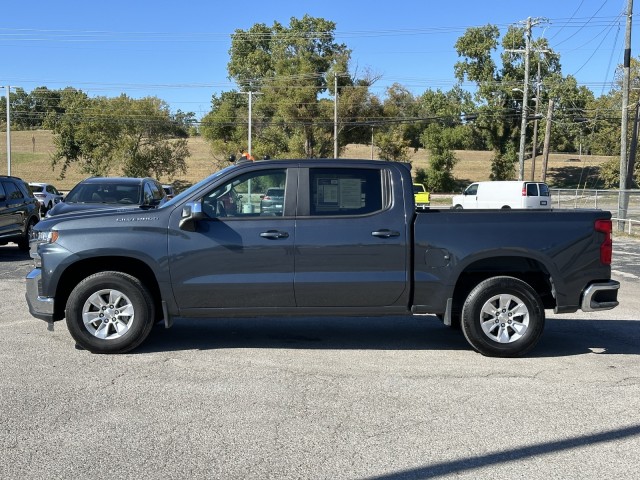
(108, 314)
(504, 318)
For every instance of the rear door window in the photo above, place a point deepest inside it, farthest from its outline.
(544, 190)
(345, 191)
(532, 189)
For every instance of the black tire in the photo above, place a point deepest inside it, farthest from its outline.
(457, 207)
(503, 317)
(23, 243)
(119, 311)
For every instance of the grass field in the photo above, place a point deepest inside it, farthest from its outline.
(31, 152)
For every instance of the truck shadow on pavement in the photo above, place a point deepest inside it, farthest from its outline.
(370, 333)
(566, 337)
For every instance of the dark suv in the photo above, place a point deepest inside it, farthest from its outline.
(272, 201)
(108, 192)
(19, 211)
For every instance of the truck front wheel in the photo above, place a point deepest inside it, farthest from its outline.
(110, 312)
(503, 317)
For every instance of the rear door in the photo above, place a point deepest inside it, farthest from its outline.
(351, 237)
(537, 196)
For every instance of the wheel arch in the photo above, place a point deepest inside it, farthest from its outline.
(530, 270)
(86, 267)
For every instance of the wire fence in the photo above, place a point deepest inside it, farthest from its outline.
(604, 200)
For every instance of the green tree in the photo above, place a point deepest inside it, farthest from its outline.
(444, 133)
(102, 135)
(288, 65)
(603, 122)
(31, 110)
(499, 102)
(392, 145)
(225, 126)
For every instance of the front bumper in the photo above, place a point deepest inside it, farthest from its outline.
(600, 296)
(40, 307)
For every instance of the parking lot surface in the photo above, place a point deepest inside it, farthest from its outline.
(328, 398)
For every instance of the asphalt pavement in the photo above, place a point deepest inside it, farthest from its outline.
(322, 398)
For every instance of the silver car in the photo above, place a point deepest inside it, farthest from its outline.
(272, 201)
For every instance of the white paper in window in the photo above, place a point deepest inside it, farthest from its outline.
(350, 193)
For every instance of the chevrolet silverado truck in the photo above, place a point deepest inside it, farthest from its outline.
(346, 240)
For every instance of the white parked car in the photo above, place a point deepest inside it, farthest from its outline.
(504, 194)
(47, 195)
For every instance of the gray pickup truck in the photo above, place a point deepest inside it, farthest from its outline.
(344, 240)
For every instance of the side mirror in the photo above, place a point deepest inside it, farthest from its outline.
(191, 213)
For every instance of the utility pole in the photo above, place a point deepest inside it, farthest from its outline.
(335, 115)
(623, 195)
(529, 23)
(371, 142)
(525, 99)
(249, 121)
(8, 133)
(535, 128)
(547, 142)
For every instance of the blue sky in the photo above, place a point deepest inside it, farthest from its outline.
(179, 51)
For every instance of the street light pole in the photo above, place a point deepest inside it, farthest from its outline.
(525, 99)
(8, 133)
(250, 122)
(335, 115)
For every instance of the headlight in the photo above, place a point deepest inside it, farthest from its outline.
(46, 236)
(40, 238)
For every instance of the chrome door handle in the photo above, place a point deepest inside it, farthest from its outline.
(385, 233)
(274, 234)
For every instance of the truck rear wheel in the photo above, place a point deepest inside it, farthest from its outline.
(503, 317)
(110, 312)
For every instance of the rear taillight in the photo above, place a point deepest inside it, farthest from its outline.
(606, 247)
(524, 189)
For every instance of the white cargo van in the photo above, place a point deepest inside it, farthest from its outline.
(507, 194)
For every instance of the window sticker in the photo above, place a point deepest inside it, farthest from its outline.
(328, 192)
(350, 193)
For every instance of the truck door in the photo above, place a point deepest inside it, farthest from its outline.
(471, 196)
(240, 255)
(351, 238)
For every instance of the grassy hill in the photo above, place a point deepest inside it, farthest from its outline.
(31, 151)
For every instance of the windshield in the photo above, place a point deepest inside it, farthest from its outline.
(37, 188)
